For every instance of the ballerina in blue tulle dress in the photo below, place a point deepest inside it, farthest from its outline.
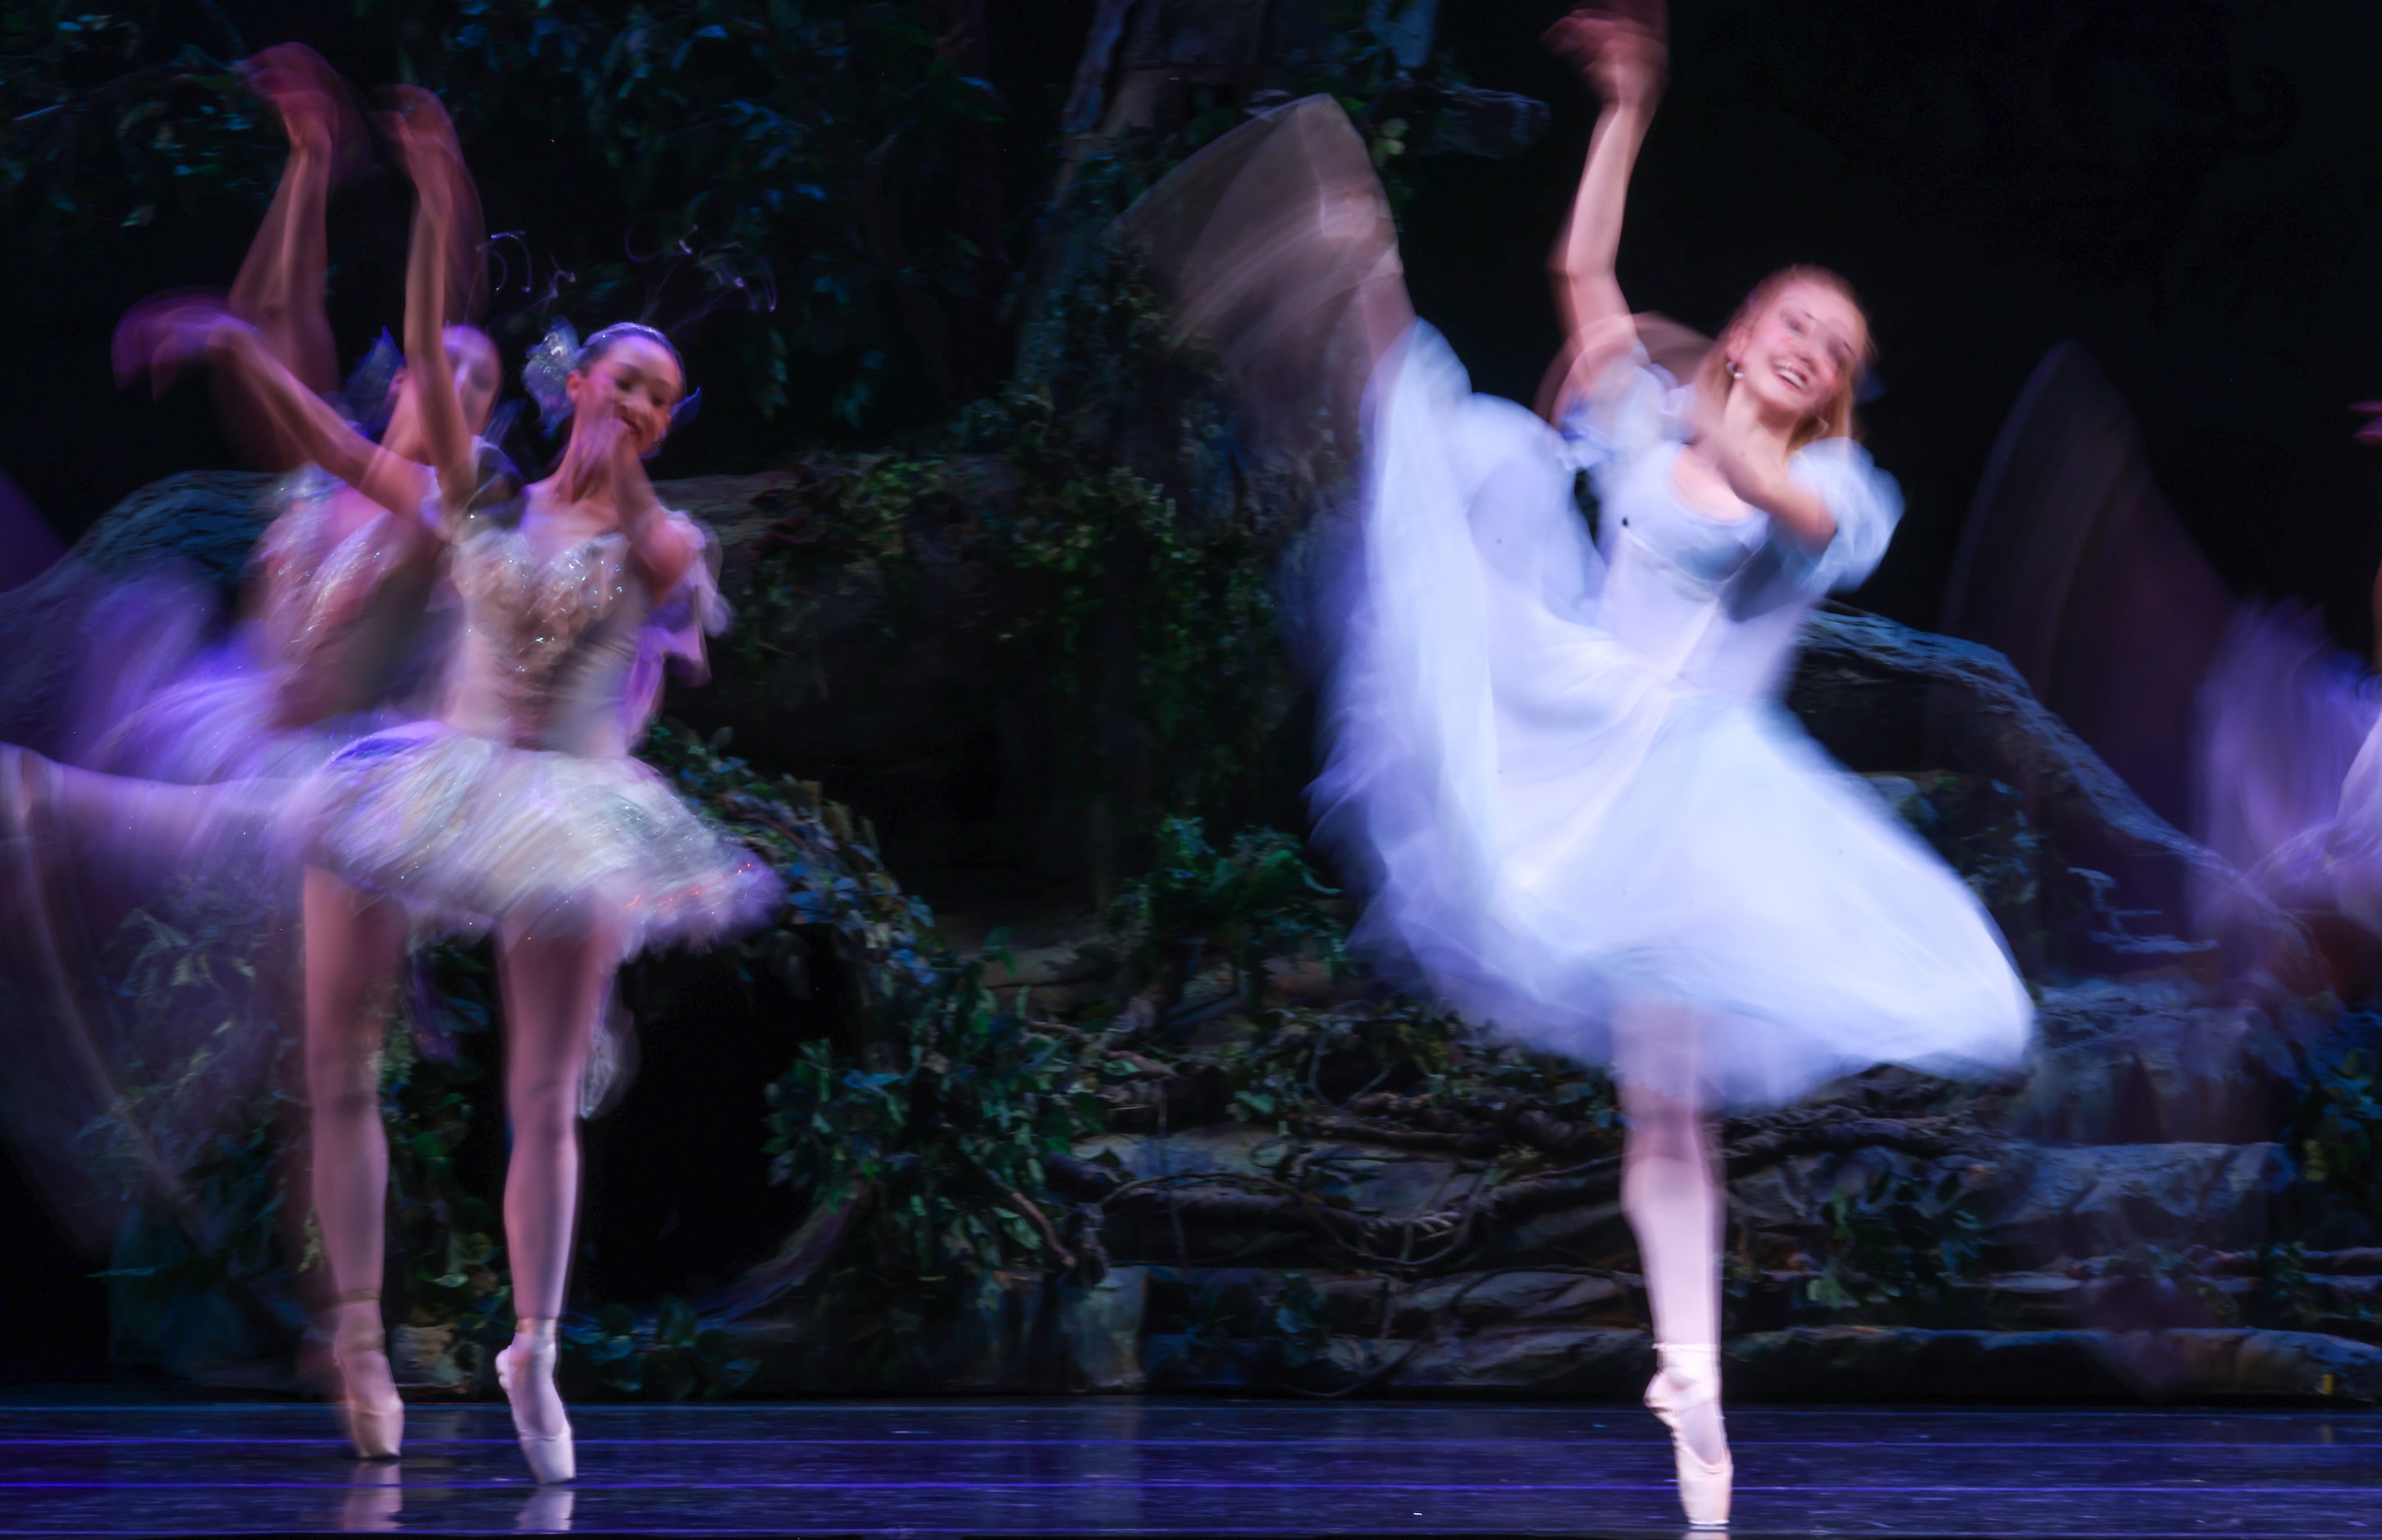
(1557, 767)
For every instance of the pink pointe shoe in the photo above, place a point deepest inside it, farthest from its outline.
(369, 1404)
(1689, 1377)
(526, 1372)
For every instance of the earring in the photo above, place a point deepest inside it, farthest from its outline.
(1730, 364)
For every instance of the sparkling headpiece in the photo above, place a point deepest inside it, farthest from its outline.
(549, 365)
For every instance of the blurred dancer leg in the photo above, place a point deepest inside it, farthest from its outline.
(354, 946)
(1672, 1191)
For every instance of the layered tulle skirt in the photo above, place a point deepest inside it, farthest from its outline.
(467, 833)
(1565, 841)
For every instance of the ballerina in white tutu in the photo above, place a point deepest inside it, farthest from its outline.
(187, 753)
(344, 633)
(193, 763)
(1562, 777)
(518, 807)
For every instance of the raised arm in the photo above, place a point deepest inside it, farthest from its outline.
(281, 287)
(424, 139)
(163, 336)
(1621, 51)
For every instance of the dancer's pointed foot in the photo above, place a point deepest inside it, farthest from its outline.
(526, 1372)
(368, 1399)
(1685, 1395)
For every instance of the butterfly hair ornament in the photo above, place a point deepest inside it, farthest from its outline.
(547, 372)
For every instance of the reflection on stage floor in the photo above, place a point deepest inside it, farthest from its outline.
(93, 1460)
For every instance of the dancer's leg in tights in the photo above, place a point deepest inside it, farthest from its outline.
(1670, 1190)
(354, 946)
(554, 983)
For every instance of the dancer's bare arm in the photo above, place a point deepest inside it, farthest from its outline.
(661, 543)
(1621, 52)
(164, 336)
(281, 285)
(425, 140)
(602, 465)
(1758, 475)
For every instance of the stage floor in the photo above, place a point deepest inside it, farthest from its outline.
(89, 1462)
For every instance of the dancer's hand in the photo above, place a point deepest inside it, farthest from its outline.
(417, 127)
(1751, 463)
(166, 335)
(1622, 48)
(305, 94)
(661, 543)
(601, 450)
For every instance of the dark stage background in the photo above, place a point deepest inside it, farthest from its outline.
(2190, 189)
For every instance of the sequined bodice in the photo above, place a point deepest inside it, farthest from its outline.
(549, 638)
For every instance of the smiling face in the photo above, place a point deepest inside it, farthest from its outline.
(1797, 355)
(634, 379)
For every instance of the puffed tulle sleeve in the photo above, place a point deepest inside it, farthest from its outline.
(1784, 574)
(1636, 408)
(1867, 505)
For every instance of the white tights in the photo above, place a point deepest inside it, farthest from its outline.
(1670, 1188)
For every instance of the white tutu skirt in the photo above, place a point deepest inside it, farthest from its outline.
(467, 833)
(1562, 841)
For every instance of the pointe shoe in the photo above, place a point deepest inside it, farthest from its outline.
(1688, 1377)
(369, 1403)
(526, 1372)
